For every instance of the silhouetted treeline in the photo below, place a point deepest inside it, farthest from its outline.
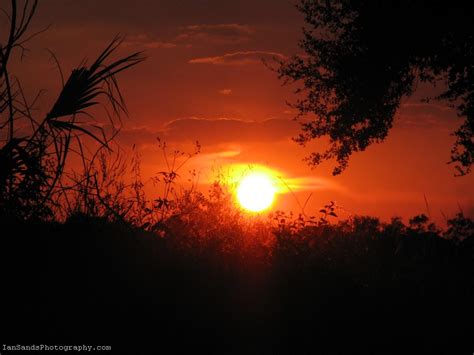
(295, 287)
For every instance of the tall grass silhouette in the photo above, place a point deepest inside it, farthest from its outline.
(33, 163)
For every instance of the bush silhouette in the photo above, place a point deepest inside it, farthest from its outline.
(216, 280)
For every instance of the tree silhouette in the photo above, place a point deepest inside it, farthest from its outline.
(362, 57)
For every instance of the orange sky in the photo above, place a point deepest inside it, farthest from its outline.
(204, 80)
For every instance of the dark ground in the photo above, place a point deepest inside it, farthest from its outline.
(93, 282)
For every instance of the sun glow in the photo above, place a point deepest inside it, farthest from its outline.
(256, 191)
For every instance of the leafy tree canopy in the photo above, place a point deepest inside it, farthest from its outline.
(362, 57)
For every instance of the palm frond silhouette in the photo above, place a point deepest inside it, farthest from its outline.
(33, 165)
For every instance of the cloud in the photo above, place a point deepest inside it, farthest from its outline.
(426, 115)
(224, 130)
(228, 33)
(219, 155)
(225, 91)
(139, 136)
(195, 34)
(144, 41)
(209, 132)
(159, 45)
(238, 58)
(311, 183)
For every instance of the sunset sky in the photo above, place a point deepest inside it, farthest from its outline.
(204, 80)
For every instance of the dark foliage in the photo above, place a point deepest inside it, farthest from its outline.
(356, 286)
(34, 150)
(362, 57)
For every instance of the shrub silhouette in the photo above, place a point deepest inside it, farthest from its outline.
(211, 281)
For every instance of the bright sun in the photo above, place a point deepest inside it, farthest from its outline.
(256, 191)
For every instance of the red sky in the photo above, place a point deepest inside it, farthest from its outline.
(204, 80)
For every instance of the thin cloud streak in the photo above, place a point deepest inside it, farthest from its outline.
(226, 33)
(238, 58)
(145, 41)
(225, 91)
(225, 130)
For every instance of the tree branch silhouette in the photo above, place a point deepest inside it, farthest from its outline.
(361, 58)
